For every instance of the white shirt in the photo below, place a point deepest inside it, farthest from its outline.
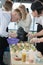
(25, 23)
(4, 21)
(40, 20)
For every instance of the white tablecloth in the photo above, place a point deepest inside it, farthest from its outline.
(14, 62)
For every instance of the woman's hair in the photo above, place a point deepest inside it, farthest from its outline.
(37, 6)
(23, 11)
(19, 12)
(8, 5)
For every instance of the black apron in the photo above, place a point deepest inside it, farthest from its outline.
(39, 46)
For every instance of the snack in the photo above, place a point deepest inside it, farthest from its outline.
(39, 54)
(20, 46)
(17, 59)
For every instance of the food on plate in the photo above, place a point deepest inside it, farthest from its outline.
(23, 45)
(17, 59)
(39, 54)
(18, 44)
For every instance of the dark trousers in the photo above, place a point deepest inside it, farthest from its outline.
(3, 45)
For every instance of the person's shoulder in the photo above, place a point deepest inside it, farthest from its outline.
(7, 15)
(41, 18)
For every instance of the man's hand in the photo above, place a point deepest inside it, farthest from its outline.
(35, 40)
(30, 35)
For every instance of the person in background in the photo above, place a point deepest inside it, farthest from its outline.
(22, 8)
(26, 19)
(37, 11)
(7, 6)
(5, 18)
(3, 2)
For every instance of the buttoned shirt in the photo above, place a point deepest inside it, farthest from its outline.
(4, 22)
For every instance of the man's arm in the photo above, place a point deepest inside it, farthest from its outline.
(35, 34)
(38, 34)
(36, 40)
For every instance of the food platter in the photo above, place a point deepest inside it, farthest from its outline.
(22, 45)
(17, 49)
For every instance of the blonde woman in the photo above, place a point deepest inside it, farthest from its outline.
(26, 19)
(22, 8)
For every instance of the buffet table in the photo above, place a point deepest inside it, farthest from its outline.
(14, 62)
(14, 52)
(26, 63)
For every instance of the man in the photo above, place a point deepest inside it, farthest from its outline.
(37, 11)
(5, 18)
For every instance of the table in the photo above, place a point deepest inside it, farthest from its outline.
(13, 62)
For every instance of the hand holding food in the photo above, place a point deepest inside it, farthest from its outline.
(30, 35)
(34, 40)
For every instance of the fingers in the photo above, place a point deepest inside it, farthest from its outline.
(34, 40)
(30, 35)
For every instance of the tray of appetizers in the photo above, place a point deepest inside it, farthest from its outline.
(22, 45)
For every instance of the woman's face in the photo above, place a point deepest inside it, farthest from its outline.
(34, 13)
(15, 16)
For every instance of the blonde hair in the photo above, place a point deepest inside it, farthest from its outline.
(19, 12)
(23, 11)
(8, 5)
